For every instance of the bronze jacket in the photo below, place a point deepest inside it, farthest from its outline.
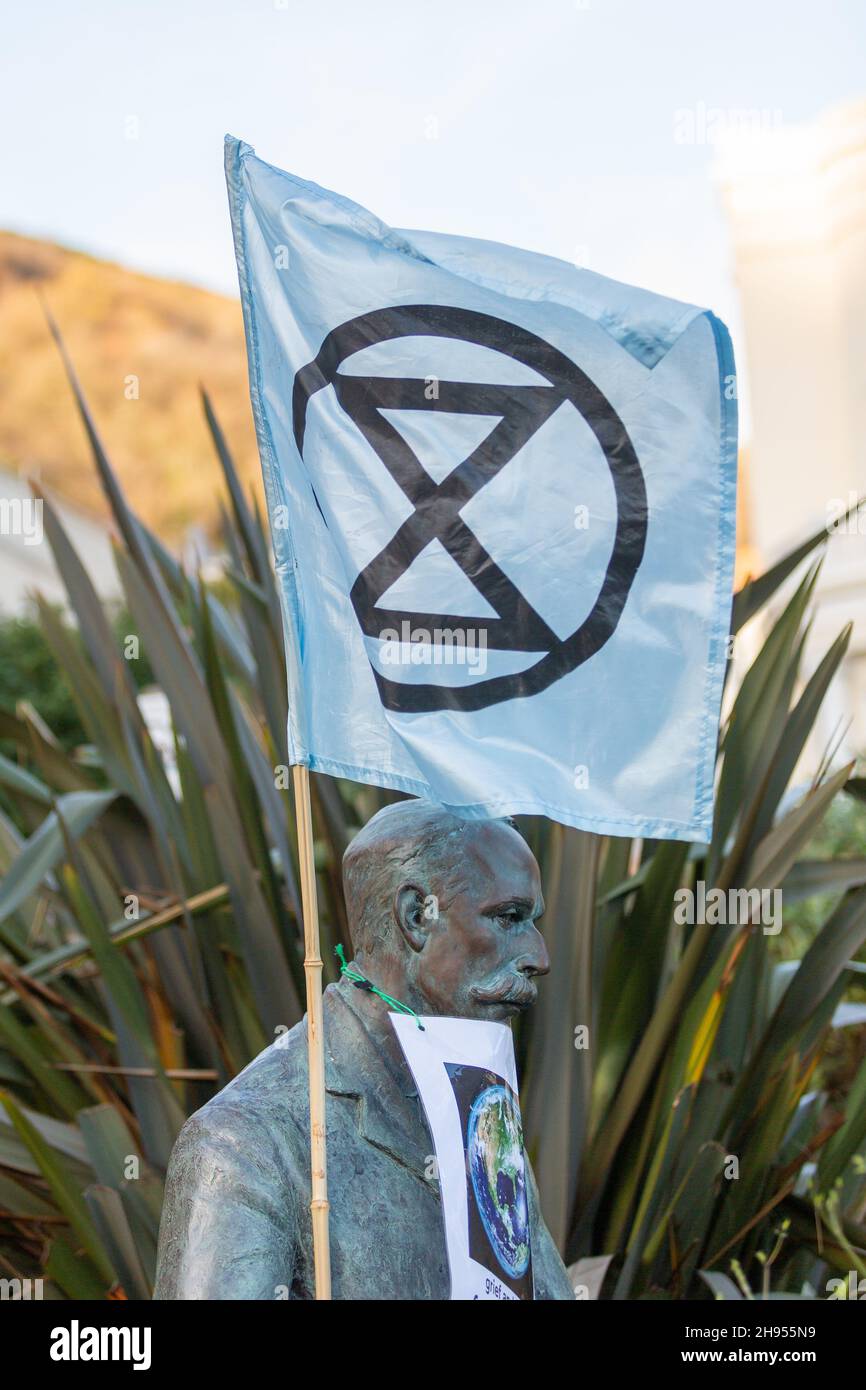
(236, 1220)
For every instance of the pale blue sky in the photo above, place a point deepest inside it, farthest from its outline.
(552, 121)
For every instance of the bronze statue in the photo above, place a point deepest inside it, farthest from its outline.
(442, 917)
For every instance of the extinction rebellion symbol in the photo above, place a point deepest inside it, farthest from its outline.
(437, 506)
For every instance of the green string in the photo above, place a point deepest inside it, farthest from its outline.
(361, 980)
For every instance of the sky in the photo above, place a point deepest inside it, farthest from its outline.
(551, 124)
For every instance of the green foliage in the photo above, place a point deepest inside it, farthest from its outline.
(29, 671)
(682, 1099)
(841, 836)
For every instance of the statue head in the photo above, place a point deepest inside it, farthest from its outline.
(442, 911)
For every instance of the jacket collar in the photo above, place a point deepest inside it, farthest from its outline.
(387, 1108)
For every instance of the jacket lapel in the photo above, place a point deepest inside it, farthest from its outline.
(387, 1111)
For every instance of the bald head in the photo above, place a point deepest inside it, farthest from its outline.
(417, 841)
(441, 910)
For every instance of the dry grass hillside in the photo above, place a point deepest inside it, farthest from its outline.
(119, 324)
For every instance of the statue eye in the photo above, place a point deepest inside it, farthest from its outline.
(509, 916)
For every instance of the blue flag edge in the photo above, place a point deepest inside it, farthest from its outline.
(281, 540)
(726, 548)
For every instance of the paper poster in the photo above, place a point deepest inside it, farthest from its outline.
(467, 1082)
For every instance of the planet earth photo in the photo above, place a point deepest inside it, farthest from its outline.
(494, 1151)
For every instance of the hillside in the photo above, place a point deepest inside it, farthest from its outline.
(119, 324)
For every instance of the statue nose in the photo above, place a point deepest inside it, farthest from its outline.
(536, 961)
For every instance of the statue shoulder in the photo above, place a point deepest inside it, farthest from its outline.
(260, 1102)
(229, 1219)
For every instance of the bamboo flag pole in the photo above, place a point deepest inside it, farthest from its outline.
(319, 1206)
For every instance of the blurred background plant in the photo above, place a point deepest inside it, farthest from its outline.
(694, 1097)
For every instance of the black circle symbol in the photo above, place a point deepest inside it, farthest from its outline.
(523, 409)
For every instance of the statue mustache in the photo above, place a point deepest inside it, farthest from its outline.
(508, 986)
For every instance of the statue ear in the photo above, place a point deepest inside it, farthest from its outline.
(409, 901)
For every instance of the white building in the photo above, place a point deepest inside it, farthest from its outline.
(26, 562)
(796, 203)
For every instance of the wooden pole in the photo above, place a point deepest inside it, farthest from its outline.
(319, 1207)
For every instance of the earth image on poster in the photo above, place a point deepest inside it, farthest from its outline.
(494, 1152)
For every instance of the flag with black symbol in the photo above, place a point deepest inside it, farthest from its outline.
(502, 497)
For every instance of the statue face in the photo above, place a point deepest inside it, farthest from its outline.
(479, 956)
